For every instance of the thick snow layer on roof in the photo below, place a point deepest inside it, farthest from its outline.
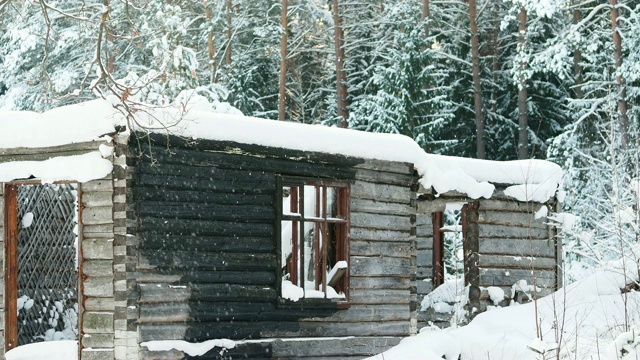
(533, 180)
(47, 350)
(82, 168)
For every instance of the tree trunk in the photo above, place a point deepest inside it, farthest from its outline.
(477, 90)
(341, 78)
(577, 60)
(211, 47)
(283, 62)
(623, 119)
(496, 57)
(227, 53)
(110, 57)
(523, 136)
(425, 16)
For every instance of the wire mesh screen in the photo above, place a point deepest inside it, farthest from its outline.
(47, 263)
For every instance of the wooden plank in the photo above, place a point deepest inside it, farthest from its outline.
(180, 277)
(510, 232)
(379, 235)
(78, 147)
(525, 220)
(152, 259)
(207, 243)
(516, 262)
(424, 243)
(161, 293)
(370, 282)
(380, 207)
(379, 296)
(424, 272)
(382, 222)
(10, 266)
(211, 173)
(42, 154)
(97, 215)
(95, 199)
(508, 277)
(219, 186)
(151, 195)
(204, 227)
(386, 193)
(386, 166)
(377, 248)
(517, 247)
(364, 313)
(379, 266)
(424, 287)
(198, 332)
(424, 258)
(382, 177)
(508, 205)
(426, 206)
(208, 212)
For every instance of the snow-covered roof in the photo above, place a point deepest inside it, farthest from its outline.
(94, 120)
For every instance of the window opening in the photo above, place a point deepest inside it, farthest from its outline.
(314, 231)
(42, 263)
(450, 232)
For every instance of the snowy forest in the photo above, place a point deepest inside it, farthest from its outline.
(500, 80)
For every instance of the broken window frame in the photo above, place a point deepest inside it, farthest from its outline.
(298, 219)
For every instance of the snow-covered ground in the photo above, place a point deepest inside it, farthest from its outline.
(589, 319)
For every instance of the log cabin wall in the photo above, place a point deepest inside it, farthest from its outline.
(204, 217)
(97, 304)
(504, 244)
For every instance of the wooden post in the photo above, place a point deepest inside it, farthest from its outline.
(11, 266)
(471, 257)
(438, 249)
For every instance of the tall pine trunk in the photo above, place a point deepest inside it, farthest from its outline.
(577, 61)
(496, 57)
(523, 117)
(227, 53)
(211, 47)
(477, 90)
(425, 15)
(623, 119)
(283, 62)
(341, 78)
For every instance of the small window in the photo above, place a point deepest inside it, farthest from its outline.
(314, 222)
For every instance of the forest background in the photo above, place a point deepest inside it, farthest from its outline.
(492, 79)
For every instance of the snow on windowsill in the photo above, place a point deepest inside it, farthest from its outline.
(46, 350)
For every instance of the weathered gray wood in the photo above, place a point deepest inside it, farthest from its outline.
(424, 220)
(424, 258)
(363, 313)
(424, 272)
(377, 248)
(423, 287)
(517, 247)
(379, 266)
(97, 215)
(508, 277)
(380, 177)
(430, 206)
(525, 220)
(370, 282)
(380, 235)
(94, 199)
(423, 242)
(382, 222)
(508, 205)
(379, 207)
(386, 166)
(197, 332)
(379, 192)
(510, 232)
(41, 154)
(379, 296)
(516, 262)
(97, 185)
(156, 293)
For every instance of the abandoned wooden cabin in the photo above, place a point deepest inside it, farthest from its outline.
(254, 238)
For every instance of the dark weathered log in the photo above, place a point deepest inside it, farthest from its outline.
(377, 248)
(379, 207)
(158, 196)
(511, 218)
(379, 296)
(163, 293)
(380, 192)
(380, 235)
(198, 332)
(508, 277)
(211, 173)
(381, 177)
(370, 282)
(223, 186)
(207, 243)
(204, 227)
(363, 313)
(152, 259)
(516, 262)
(518, 247)
(379, 266)
(511, 232)
(382, 222)
(40, 154)
(288, 166)
(208, 212)
(386, 166)
(508, 205)
(181, 277)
